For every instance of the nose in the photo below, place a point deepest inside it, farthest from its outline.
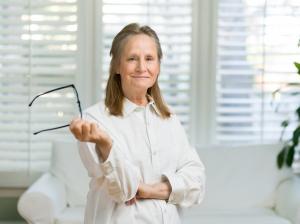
(142, 65)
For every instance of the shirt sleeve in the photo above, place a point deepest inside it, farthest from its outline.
(121, 177)
(188, 181)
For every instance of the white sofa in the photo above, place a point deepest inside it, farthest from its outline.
(244, 186)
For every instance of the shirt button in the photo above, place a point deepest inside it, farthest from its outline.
(114, 184)
(108, 168)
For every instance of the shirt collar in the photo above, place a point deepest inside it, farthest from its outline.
(129, 107)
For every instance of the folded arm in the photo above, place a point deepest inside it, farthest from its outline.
(188, 180)
(186, 185)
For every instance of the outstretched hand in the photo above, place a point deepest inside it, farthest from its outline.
(86, 131)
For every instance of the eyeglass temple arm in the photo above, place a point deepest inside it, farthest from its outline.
(50, 129)
(63, 87)
(52, 90)
(78, 102)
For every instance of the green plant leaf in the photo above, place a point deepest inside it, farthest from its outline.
(280, 158)
(290, 156)
(296, 135)
(297, 66)
(284, 123)
(298, 113)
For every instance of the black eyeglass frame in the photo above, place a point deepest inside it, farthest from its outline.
(53, 90)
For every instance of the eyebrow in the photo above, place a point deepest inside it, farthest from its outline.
(136, 55)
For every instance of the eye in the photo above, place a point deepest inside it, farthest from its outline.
(132, 58)
(149, 58)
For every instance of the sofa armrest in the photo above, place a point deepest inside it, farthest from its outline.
(288, 199)
(43, 200)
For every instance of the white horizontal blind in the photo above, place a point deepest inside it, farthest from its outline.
(172, 21)
(38, 53)
(256, 47)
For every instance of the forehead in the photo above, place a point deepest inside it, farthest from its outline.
(140, 43)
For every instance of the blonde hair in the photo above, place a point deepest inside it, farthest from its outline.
(114, 93)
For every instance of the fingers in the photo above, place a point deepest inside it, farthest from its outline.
(75, 127)
(94, 128)
(85, 131)
(131, 201)
(80, 129)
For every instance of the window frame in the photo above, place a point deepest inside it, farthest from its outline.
(203, 72)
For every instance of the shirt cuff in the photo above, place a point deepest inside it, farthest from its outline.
(108, 165)
(177, 185)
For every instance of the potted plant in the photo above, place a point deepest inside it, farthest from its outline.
(286, 156)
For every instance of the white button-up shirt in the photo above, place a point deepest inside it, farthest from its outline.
(146, 148)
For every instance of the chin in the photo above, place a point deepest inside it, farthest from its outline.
(143, 85)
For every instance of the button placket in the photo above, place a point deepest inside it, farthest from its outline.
(152, 137)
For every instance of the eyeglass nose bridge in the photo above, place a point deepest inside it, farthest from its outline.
(53, 90)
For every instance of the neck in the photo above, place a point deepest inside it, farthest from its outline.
(137, 98)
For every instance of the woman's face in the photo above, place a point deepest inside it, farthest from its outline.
(139, 63)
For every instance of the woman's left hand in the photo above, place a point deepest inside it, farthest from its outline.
(144, 191)
(160, 191)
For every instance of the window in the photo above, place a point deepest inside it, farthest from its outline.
(38, 44)
(256, 43)
(172, 20)
(40, 51)
(256, 47)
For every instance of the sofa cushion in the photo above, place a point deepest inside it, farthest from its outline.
(235, 216)
(196, 215)
(67, 166)
(71, 215)
(241, 176)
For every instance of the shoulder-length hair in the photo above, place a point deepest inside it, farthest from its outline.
(114, 93)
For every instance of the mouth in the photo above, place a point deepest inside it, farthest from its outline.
(140, 77)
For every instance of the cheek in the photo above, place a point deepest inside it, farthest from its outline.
(124, 78)
(155, 69)
(125, 66)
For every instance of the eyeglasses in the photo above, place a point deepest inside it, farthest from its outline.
(63, 87)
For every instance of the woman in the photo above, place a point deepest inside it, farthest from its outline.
(135, 150)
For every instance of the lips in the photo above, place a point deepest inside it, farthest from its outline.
(140, 77)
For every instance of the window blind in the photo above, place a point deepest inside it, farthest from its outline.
(256, 47)
(172, 20)
(38, 53)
